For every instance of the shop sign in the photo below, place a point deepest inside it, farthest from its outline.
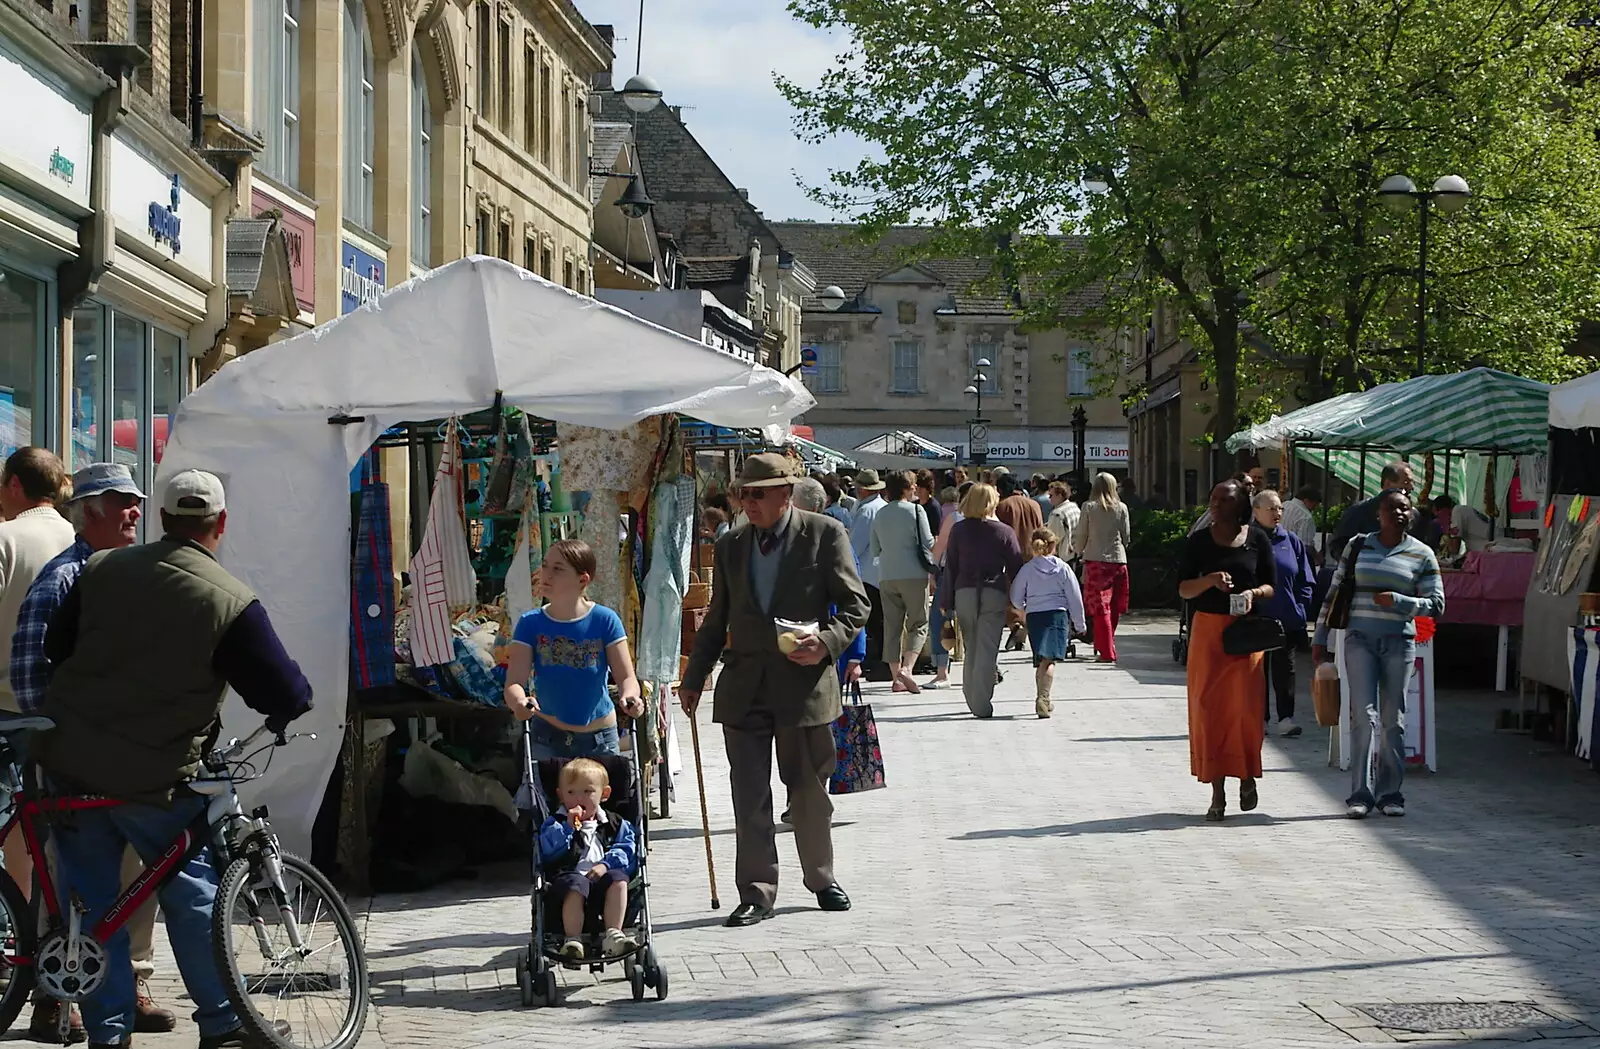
(360, 278)
(165, 226)
(998, 451)
(61, 167)
(1099, 450)
(301, 234)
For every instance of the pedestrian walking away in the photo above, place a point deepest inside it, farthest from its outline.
(1395, 578)
(565, 653)
(1225, 571)
(1291, 599)
(793, 565)
(1021, 512)
(1064, 514)
(104, 511)
(1048, 594)
(145, 646)
(902, 544)
(1101, 539)
(942, 652)
(981, 561)
(871, 489)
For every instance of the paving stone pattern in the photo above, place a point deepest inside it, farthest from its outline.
(1053, 883)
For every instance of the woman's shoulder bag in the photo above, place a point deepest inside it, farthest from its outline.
(1339, 605)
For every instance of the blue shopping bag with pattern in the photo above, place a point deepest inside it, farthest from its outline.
(855, 738)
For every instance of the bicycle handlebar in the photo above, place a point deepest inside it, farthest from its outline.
(236, 747)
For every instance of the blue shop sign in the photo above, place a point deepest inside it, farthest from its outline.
(360, 278)
(165, 226)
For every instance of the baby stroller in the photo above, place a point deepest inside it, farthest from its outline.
(536, 976)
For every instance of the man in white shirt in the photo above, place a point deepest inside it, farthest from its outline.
(870, 489)
(1063, 516)
(1468, 526)
(1299, 516)
(33, 533)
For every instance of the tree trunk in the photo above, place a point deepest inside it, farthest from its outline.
(1225, 355)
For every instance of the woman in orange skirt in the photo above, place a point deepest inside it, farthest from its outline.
(1225, 571)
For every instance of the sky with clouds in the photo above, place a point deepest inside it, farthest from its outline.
(716, 59)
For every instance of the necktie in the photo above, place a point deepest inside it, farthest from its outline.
(768, 542)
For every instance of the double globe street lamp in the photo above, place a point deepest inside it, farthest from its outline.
(978, 430)
(1450, 193)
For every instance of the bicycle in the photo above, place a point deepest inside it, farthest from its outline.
(263, 935)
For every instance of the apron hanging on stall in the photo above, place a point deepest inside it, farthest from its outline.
(442, 579)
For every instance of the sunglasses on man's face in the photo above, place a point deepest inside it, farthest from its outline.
(755, 495)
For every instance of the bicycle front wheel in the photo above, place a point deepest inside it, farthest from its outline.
(290, 955)
(18, 943)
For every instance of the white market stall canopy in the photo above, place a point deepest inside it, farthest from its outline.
(1575, 405)
(904, 443)
(284, 426)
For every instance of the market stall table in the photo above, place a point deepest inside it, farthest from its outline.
(1489, 589)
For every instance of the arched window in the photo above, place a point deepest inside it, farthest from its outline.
(421, 167)
(275, 86)
(360, 121)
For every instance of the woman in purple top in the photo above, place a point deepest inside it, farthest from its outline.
(981, 560)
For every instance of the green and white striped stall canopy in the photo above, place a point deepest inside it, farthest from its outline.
(1481, 410)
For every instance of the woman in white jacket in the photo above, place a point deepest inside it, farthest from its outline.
(1047, 591)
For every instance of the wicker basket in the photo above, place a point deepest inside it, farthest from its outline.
(699, 596)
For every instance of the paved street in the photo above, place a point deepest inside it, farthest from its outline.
(1027, 883)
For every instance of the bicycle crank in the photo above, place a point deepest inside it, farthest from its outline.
(70, 971)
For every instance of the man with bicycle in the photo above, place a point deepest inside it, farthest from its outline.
(104, 510)
(145, 647)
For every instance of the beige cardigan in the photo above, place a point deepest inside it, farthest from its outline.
(1102, 535)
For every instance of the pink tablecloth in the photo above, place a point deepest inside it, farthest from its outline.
(1488, 588)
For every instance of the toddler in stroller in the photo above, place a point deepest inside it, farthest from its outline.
(590, 886)
(590, 856)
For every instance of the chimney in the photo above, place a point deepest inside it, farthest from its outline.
(744, 194)
(602, 79)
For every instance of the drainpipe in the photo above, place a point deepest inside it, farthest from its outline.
(79, 278)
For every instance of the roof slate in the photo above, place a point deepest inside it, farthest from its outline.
(609, 141)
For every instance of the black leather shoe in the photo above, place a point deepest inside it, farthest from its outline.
(833, 898)
(748, 914)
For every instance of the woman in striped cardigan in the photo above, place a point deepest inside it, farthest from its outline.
(1396, 580)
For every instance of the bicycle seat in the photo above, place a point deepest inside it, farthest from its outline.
(24, 723)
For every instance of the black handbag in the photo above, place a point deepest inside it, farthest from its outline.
(1250, 634)
(1338, 617)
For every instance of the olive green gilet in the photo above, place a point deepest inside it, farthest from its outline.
(137, 703)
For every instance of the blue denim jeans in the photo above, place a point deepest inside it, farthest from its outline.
(551, 742)
(91, 846)
(941, 655)
(1379, 667)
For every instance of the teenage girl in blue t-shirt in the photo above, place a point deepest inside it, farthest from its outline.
(567, 648)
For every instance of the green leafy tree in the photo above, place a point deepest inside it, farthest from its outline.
(1223, 155)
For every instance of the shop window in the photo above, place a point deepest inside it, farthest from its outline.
(829, 377)
(275, 87)
(421, 167)
(907, 368)
(88, 356)
(23, 331)
(907, 312)
(360, 116)
(166, 390)
(1080, 373)
(128, 360)
(505, 114)
(485, 59)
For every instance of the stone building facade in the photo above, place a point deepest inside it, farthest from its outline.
(115, 234)
(722, 243)
(901, 352)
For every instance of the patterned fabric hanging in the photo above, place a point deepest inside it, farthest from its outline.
(442, 579)
(519, 577)
(372, 593)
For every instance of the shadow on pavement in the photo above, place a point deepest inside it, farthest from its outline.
(1153, 821)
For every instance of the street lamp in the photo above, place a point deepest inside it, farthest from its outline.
(1450, 193)
(831, 297)
(977, 431)
(640, 94)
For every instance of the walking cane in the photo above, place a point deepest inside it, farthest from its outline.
(705, 818)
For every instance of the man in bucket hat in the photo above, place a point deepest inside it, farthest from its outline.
(790, 564)
(871, 486)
